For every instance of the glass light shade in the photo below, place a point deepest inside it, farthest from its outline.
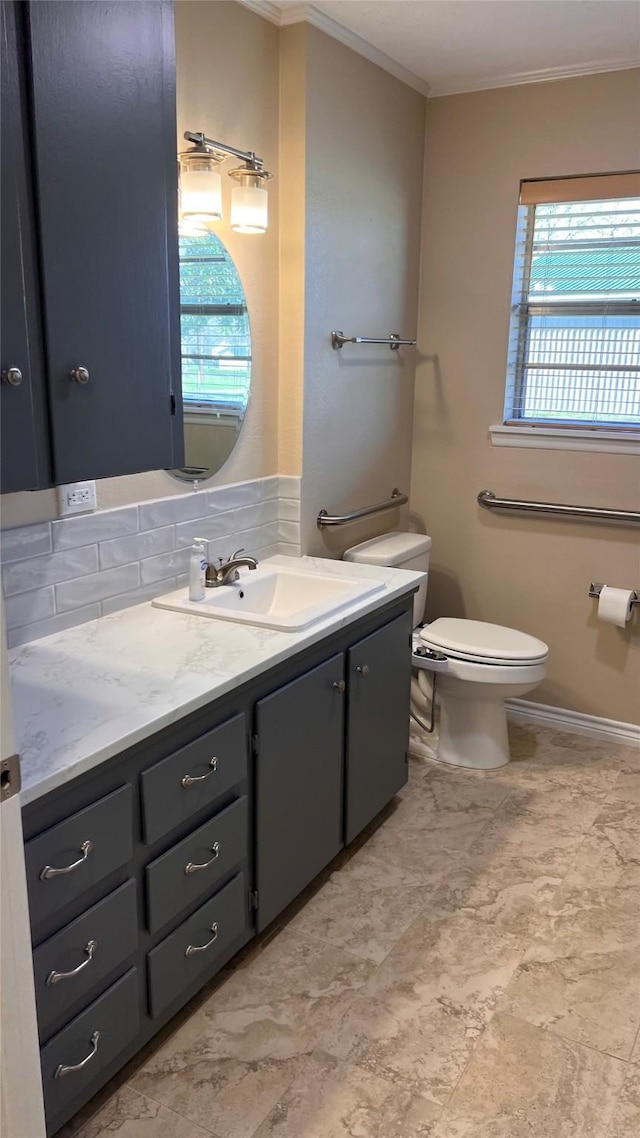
(249, 209)
(200, 193)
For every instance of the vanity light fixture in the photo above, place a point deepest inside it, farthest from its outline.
(201, 187)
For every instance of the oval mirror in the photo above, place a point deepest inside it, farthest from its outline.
(216, 354)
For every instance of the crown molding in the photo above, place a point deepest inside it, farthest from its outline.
(264, 8)
(521, 78)
(309, 13)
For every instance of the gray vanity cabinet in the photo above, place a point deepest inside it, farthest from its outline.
(299, 738)
(94, 84)
(149, 873)
(379, 679)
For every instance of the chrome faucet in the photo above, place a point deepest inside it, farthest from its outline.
(227, 571)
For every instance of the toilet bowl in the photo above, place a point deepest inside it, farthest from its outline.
(484, 665)
(476, 666)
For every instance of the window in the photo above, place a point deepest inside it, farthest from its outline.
(574, 346)
(215, 335)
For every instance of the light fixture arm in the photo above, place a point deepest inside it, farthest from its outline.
(248, 156)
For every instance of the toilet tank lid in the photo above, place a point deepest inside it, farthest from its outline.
(390, 548)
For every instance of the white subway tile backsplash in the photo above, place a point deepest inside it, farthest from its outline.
(217, 526)
(289, 531)
(63, 573)
(289, 486)
(137, 596)
(259, 515)
(27, 608)
(165, 565)
(36, 572)
(270, 487)
(285, 549)
(166, 511)
(96, 587)
(234, 496)
(29, 632)
(250, 541)
(123, 550)
(289, 509)
(89, 528)
(25, 541)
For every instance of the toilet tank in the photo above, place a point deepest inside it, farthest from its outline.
(401, 551)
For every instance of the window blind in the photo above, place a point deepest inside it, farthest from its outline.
(574, 345)
(214, 325)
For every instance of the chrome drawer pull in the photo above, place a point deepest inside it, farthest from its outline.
(52, 871)
(90, 950)
(191, 949)
(189, 779)
(63, 1069)
(194, 866)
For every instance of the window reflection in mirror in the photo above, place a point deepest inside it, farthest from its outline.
(216, 354)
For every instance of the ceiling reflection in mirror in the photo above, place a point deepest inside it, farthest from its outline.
(216, 354)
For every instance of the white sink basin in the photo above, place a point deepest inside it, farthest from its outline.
(273, 596)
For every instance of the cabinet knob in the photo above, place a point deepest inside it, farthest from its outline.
(363, 670)
(12, 376)
(340, 686)
(80, 375)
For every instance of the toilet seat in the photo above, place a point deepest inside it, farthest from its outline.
(478, 642)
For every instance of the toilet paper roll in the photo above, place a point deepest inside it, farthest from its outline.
(614, 605)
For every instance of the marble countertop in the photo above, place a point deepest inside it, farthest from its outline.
(84, 695)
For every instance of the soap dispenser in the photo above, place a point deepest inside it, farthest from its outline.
(197, 570)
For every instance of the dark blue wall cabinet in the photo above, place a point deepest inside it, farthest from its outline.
(101, 89)
(23, 424)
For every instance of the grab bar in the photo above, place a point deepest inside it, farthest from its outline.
(393, 340)
(488, 499)
(397, 499)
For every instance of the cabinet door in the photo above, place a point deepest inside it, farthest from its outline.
(298, 784)
(379, 683)
(103, 104)
(23, 443)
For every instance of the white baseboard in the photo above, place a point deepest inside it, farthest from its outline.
(576, 722)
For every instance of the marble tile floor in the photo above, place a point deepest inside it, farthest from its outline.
(469, 968)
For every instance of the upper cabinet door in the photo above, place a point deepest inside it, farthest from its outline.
(104, 132)
(23, 443)
(379, 672)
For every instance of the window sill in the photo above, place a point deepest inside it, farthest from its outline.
(558, 438)
(226, 418)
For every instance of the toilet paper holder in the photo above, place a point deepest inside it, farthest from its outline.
(596, 587)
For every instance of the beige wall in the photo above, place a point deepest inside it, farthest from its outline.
(227, 86)
(364, 153)
(529, 573)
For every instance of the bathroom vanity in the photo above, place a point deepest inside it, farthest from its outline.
(180, 793)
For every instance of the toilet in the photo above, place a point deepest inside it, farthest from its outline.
(476, 666)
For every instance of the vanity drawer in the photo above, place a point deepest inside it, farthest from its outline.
(69, 858)
(213, 850)
(196, 944)
(89, 1044)
(179, 786)
(72, 962)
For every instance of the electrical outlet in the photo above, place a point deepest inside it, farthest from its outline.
(77, 498)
